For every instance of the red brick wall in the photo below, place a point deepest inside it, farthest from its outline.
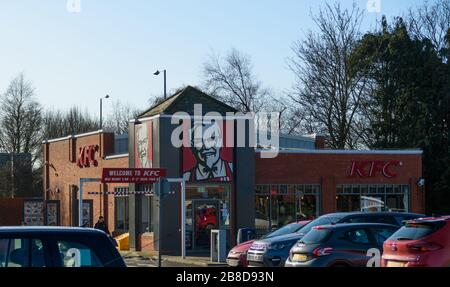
(11, 211)
(62, 172)
(330, 169)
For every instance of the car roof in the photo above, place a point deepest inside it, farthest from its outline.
(430, 219)
(48, 229)
(345, 214)
(350, 225)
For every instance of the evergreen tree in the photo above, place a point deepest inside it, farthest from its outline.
(409, 105)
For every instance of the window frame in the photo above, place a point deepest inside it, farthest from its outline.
(126, 207)
(47, 250)
(296, 190)
(343, 190)
(150, 210)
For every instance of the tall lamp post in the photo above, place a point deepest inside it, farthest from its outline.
(12, 176)
(165, 83)
(101, 110)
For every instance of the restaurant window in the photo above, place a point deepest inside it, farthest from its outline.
(262, 210)
(146, 205)
(372, 198)
(283, 206)
(278, 205)
(121, 211)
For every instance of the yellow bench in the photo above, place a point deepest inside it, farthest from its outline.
(123, 241)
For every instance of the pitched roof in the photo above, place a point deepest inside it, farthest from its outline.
(184, 100)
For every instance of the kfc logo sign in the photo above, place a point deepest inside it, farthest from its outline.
(86, 156)
(373, 168)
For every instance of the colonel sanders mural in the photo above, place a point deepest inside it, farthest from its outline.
(143, 152)
(207, 159)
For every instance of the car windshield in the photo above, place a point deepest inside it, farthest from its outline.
(414, 231)
(323, 220)
(316, 236)
(288, 229)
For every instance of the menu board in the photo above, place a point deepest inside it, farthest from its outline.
(52, 213)
(33, 212)
(87, 214)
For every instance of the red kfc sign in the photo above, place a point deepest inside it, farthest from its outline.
(132, 175)
(86, 156)
(373, 168)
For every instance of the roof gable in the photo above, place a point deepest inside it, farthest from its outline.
(184, 101)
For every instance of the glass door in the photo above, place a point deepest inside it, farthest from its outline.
(205, 215)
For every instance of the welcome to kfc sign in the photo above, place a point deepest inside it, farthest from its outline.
(86, 156)
(374, 168)
(132, 175)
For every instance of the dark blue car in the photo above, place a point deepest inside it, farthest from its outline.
(57, 247)
(273, 252)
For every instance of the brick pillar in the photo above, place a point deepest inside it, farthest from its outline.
(328, 195)
(46, 171)
(416, 197)
(73, 149)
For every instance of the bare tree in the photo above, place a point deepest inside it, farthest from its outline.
(20, 126)
(20, 118)
(327, 91)
(59, 124)
(431, 21)
(231, 79)
(120, 116)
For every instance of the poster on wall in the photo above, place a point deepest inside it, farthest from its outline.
(143, 152)
(52, 212)
(87, 214)
(207, 158)
(33, 212)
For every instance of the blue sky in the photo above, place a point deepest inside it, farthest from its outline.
(113, 47)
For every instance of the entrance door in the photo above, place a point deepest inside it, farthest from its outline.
(205, 215)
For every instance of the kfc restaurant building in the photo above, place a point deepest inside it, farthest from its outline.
(227, 187)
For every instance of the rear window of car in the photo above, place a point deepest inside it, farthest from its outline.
(414, 231)
(316, 236)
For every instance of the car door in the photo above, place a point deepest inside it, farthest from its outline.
(83, 250)
(357, 242)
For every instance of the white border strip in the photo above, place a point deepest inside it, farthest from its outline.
(324, 151)
(88, 134)
(57, 139)
(116, 156)
(78, 135)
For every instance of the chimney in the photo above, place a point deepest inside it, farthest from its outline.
(319, 141)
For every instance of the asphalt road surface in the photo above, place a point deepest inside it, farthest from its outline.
(146, 262)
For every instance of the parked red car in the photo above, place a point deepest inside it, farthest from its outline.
(238, 255)
(206, 217)
(423, 242)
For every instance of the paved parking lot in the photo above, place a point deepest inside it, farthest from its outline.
(148, 262)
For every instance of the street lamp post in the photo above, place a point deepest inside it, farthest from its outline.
(101, 110)
(165, 82)
(12, 176)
